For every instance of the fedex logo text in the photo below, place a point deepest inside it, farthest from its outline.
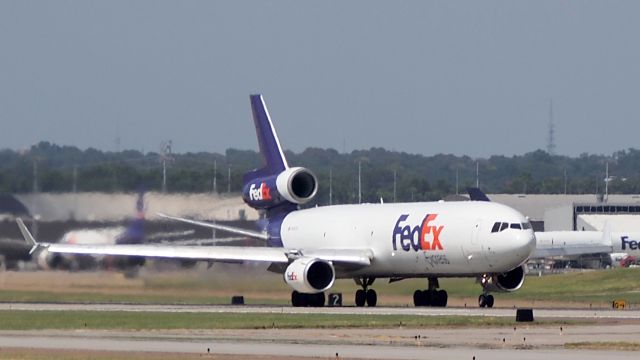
(424, 237)
(632, 244)
(262, 193)
(291, 276)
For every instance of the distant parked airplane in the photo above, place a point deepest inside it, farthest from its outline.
(132, 234)
(12, 252)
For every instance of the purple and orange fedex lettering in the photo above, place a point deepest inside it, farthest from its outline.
(424, 237)
(262, 193)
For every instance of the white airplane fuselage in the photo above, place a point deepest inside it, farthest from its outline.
(416, 239)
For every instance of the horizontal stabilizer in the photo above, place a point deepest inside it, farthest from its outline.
(231, 229)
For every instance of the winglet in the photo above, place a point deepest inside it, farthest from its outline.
(475, 194)
(27, 236)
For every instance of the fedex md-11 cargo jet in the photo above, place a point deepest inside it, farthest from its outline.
(313, 247)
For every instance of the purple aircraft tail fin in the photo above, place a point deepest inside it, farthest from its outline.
(134, 233)
(270, 149)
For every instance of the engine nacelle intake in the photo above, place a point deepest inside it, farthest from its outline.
(298, 185)
(507, 282)
(295, 185)
(310, 275)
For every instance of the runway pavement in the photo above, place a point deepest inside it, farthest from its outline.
(265, 309)
(438, 344)
(506, 342)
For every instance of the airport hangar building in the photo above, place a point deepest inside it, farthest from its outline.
(576, 212)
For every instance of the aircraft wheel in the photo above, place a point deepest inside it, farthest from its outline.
(296, 299)
(417, 298)
(441, 298)
(482, 301)
(317, 299)
(372, 298)
(490, 301)
(361, 298)
(427, 298)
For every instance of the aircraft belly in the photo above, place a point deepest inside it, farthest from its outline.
(425, 263)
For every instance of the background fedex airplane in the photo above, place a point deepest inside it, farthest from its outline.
(619, 245)
(132, 234)
(312, 247)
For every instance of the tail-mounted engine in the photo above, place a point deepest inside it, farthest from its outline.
(295, 185)
(507, 282)
(310, 275)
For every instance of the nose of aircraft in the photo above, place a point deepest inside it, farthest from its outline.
(524, 244)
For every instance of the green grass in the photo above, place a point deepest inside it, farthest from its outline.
(585, 287)
(142, 298)
(214, 287)
(58, 354)
(604, 345)
(36, 320)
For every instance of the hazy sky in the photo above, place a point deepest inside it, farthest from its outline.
(462, 77)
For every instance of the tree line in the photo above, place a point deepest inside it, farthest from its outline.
(47, 167)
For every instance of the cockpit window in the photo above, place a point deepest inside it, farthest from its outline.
(501, 226)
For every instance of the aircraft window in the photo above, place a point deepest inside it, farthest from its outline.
(516, 226)
(526, 226)
(504, 226)
(496, 227)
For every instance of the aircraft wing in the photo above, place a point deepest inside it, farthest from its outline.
(570, 251)
(231, 229)
(352, 257)
(211, 253)
(200, 242)
(570, 243)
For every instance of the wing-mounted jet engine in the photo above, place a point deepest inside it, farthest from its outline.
(507, 282)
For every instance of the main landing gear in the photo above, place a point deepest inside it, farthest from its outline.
(431, 296)
(312, 300)
(485, 300)
(365, 295)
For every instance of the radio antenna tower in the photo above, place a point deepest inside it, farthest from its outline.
(551, 140)
(165, 156)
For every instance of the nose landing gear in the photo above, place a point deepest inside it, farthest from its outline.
(365, 295)
(485, 300)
